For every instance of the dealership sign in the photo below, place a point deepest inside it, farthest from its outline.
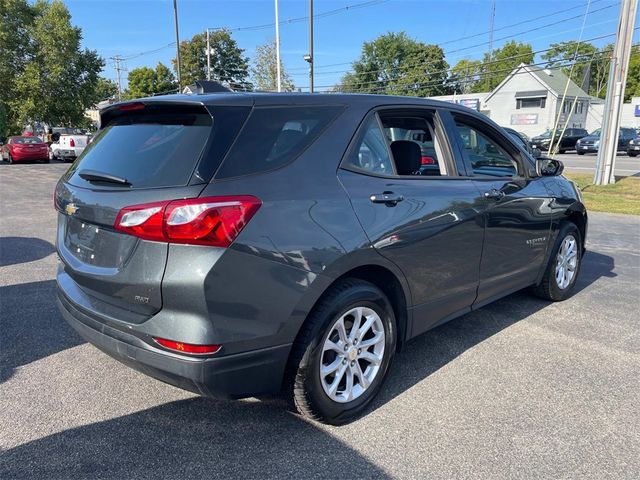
(524, 119)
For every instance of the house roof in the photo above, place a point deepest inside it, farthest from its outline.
(554, 80)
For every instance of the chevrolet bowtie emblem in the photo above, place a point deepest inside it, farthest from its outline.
(71, 208)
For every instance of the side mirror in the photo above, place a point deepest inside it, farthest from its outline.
(536, 152)
(549, 167)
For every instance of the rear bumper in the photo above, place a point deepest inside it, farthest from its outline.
(65, 153)
(233, 376)
(587, 149)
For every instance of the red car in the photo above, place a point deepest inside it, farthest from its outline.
(19, 149)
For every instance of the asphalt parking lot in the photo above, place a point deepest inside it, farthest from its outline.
(519, 389)
(625, 165)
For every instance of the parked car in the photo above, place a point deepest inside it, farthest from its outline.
(67, 147)
(524, 141)
(633, 148)
(21, 149)
(568, 140)
(591, 143)
(243, 244)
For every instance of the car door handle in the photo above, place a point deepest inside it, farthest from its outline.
(494, 194)
(388, 198)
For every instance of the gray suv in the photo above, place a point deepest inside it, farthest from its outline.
(242, 244)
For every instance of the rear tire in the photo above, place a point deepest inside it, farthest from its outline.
(332, 378)
(580, 153)
(564, 265)
(632, 154)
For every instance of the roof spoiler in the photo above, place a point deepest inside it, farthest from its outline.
(207, 86)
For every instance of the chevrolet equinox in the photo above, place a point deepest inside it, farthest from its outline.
(237, 244)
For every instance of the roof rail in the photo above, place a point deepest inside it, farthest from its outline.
(206, 86)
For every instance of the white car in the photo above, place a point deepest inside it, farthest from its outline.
(68, 147)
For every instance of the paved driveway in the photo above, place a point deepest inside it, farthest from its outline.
(519, 389)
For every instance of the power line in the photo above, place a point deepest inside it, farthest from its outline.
(480, 34)
(328, 13)
(426, 64)
(449, 70)
(270, 25)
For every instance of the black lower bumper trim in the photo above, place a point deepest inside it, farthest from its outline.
(233, 376)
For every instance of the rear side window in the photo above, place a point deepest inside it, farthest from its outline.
(274, 137)
(149, 150)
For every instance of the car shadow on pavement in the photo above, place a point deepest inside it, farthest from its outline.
(31, 327)
(431, 351)
(15, 250)
(193, 438)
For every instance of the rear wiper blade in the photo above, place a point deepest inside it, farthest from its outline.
(96, 176)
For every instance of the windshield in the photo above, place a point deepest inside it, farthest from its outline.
(595, 133)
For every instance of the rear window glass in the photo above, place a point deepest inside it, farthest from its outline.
(154, 150)
(275, 136)
(27, 140)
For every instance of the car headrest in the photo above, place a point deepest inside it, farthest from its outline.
(407, 156)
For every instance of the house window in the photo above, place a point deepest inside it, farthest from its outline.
(530, 102)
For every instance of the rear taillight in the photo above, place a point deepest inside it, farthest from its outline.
(426, 160)
(213, 221)
(188, 347)
(72, 143)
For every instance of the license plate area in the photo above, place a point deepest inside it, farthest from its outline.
(96, 246)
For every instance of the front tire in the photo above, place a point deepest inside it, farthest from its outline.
(580, 153)
(342, 355)
(564, 265)
(632, 154)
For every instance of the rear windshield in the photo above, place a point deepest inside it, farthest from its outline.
(148, 150)
(275, 136)
(27, 140)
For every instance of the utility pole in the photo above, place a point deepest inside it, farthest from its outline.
(615, 94)
(310, 60)
(208, 56)
(175, 18)
(492, 21)
(278, 74)
(117, 59)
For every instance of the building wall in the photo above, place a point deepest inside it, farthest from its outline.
(627, 119)
(531, 121)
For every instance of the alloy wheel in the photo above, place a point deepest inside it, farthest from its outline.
(352, 354)
(566, 262)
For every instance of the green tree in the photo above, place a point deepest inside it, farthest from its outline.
(591, 64)
(15, 18)
(396, 64)
(465, 76)
(633, 77)
(50, 78)
(265, 72)
(145, 82)
(105, 89)
(228, 63)
(499, 63)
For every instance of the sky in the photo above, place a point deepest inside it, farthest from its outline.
(143, 29)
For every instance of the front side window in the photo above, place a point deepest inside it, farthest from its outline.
(483, 154)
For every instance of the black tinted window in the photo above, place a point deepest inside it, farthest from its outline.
(275, 136)
(154, 150)
(484, 154)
